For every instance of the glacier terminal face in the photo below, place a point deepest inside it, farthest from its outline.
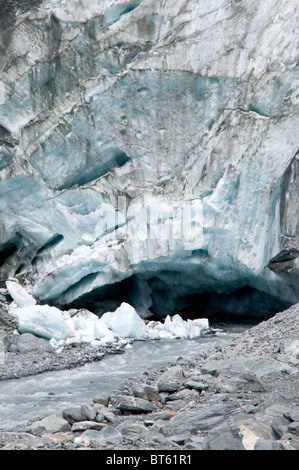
(149, 154)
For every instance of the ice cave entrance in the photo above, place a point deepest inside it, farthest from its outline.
(159, 300)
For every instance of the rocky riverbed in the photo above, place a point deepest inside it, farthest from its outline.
(244, 395)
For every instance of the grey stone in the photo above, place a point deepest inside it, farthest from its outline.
(19, 440)
(280, 416)
(180, 439)
(27, 342)
(102, 398)
(132, 429)
(99, 417)
(171, 380)
(152, 393)
(5, 338)
(293, 415)
(109, 416)
(200, 419)
(199, 386)
(291, 440)
(261, 366)
(209, 370)
(139, 392)
(131, 404)
(89, 412)
(265, 444)
(84, 425)
(167, 386)
(224, 437)
(235, 381)
(293, 428)
(50, 424)
(73, 415)
(185, 394)
(89, 438)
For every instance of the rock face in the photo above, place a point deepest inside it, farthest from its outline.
(149, 153)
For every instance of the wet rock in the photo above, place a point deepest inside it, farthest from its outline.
(264, 444)
(89, 412)
(84, 425)
(84, 413)
(169, 387)
(152, 393)
(197, 385)
(89, 438)
(27, 342)
(18, 440)
(132, 429)
(200, 419)
(185, 395)
(102, 398)
(108, 416)
(171, 380)
(234, 381)
(139, 392)
(131, 404)
(224, 438)
(281, 416)
(294, 428)
(72, 415)
(50, 424)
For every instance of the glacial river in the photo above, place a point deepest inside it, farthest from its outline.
(30, 398)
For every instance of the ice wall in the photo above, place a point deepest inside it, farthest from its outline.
(149, 150)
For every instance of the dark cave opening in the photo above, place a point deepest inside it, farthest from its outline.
(243, 304)
(106, 298)
(8, 249)
(152, 302)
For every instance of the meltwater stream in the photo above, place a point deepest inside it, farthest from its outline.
(31, 398)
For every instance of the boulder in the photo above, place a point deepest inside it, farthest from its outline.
(171, 380)
(50, 424)
(224, 437)
(27, 342)
(131, 404)
(200, 419)
(72, 415)
(294, 428)
(102, 398)
(89, 412)
(84, 425)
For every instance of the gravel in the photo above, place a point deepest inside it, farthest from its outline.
(243, 395)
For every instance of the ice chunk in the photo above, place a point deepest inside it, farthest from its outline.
(154, 330)
(88, 327)
(176, 327)
(195, 327)
(84, 326)
(44, 321)
(125, 322)
(19, 294)
(108, 339)
(101, 330)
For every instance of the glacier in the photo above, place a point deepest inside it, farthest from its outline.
(149, 157)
